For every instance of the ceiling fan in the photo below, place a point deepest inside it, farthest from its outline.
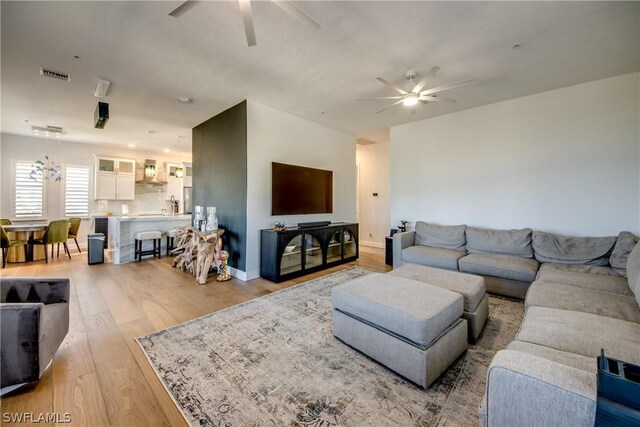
(412, 97)
(247, 17)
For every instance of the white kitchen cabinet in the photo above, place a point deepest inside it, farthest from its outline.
(115, 179)
(187, 181)
(105, 186)
(125, 187)
(174, 182)
(174, 188)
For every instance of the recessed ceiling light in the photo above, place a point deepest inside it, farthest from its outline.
(132, 145)
(185, 100)
(166, 150)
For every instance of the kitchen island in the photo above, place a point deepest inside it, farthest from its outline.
(122, 230)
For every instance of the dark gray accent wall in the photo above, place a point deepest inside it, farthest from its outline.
(220, 176)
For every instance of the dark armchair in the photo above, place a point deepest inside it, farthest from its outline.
(34, 321)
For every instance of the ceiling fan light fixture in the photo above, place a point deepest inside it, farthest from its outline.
(410, 100)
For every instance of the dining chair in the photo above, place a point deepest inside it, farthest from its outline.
(7, 243)
(73, 230)
(5, 221)
(56, 232)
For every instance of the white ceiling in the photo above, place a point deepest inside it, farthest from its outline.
(152, 59)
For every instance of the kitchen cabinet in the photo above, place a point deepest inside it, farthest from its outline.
(114, 179)
(187, 181)
(174, 182)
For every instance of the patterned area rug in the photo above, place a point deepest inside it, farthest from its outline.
(273, 361)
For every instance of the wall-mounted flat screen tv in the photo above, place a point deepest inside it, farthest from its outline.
(297, 190)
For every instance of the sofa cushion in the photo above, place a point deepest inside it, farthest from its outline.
(588, 364)
(506, 287)
(527, 390)
(584, 276)
(504, 266)
(558, 249)
(502, 242)
(440, 236)
(581, 333)
(433, 257)
(623, 247)
(633, 272)
(469, 286)
(409, 309)
(585, 300)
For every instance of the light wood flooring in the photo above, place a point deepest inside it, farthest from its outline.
(99, 375)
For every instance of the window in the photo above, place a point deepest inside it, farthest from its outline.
(76, 191)
(29, 193)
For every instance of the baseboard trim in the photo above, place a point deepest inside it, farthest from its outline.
(372, 244)
(238, 274)
(253, 274)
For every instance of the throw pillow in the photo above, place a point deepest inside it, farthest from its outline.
(441, 236)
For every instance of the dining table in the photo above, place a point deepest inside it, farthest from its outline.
(27, 232)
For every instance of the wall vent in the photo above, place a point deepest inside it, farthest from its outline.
(55, 74)
(46, 129)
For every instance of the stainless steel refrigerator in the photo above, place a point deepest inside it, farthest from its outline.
(186, 197)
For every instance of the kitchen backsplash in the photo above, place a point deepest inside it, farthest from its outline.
(149, 198)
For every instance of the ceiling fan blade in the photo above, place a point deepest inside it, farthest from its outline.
(297, 13)
(386, 108)
(425, 79)
(380, 97)
(183, 8)
(435, 99)
(445, 87)
(247, 21)
(395, 87)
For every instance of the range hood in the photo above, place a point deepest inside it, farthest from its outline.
(150, 173)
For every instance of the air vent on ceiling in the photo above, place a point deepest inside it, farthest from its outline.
(55, 74)
(46, 129)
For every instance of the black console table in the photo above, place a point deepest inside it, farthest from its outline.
(298, 251)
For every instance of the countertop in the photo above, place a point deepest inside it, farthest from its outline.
(144, 218)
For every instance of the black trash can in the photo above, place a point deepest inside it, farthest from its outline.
(95, 254)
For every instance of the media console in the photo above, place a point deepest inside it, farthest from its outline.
(295, 252)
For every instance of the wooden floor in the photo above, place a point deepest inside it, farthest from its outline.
(99, 375)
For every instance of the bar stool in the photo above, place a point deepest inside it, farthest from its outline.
(140, 237)
(171, 237)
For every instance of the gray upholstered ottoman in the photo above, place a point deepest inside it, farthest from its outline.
(411, 327)
(471, 287)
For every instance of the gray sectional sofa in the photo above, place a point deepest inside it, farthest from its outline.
(581, 295)
(509, 260)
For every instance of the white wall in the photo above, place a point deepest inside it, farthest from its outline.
(373, 211)
(274, 136)
(17, 147)
(566, 161)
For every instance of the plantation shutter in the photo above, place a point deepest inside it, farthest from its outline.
(76, 193)
(29, 193)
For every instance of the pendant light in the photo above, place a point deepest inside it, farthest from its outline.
(149, 166)
(179, 169)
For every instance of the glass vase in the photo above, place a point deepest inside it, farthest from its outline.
(212, 219)
(197, 216)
